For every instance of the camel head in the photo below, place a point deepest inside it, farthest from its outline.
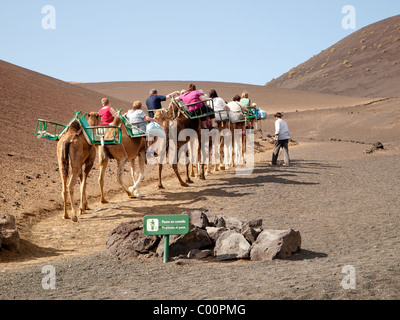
(161, 115)
(94, 119)
(117, 122)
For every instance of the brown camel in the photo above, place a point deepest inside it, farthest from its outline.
(73, 150)
(128, 150)
(173, 113)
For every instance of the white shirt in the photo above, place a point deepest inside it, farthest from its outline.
(235, 106)
(282, 130)
(219, 104)
(135, 116)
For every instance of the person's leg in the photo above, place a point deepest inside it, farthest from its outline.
(285, 146)
(212, 119)
(275, 152)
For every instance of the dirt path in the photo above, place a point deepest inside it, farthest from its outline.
(47, 237)
(344, 202)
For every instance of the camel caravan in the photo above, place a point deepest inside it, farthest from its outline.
(198, 130)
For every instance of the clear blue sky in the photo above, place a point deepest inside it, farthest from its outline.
(241, 41)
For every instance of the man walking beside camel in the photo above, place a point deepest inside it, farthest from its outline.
(282, 136)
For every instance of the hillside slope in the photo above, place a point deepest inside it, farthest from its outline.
(26, 96)
(364, 64)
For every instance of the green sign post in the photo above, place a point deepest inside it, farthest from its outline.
(166, 225)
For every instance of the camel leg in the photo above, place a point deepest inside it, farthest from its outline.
(188, 180)
(84, 175)
(193, 160)
(190, 163)
(65, 196)
(175, 168)
(192, 174)
(132, 189)
(210, 155)
(160, 186)
(135, 188)
(202, 175)
(103, 166)
(83, 195)
(120, 170)
(74, 177)
(244, 148)
(222, 152)
(214, 160)
(63, 164)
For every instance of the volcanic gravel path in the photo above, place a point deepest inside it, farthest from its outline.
(343, 201)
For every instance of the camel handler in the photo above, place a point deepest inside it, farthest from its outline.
(153, 102)
(282, 136)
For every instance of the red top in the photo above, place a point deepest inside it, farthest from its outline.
(106, 116)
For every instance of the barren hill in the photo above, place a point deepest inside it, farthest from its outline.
(364, 64)
(26, 96)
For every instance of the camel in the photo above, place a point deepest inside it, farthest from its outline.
(73, 150)
(227, 134)
(128, 150)
(173, 113)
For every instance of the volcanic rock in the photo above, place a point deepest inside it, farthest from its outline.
(275, 244)
(9, 235)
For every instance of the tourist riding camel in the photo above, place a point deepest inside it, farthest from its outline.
(107, 112)
(173, 113)
(190, 97)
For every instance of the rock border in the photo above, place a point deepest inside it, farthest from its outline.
(222, 237)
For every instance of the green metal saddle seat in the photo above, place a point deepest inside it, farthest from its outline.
(95, 135)
(135, 130)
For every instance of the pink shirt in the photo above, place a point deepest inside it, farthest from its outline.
(192, 97)
(106, 116)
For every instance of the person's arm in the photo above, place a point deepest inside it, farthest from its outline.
(277, 129)
(242, 106)
(112, 111)
(169, 96)
(147, 118)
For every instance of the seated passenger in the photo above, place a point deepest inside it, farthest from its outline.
(245, 100)
(236, 111)
(107, 112)
(137, 116)
(192, 96)
(220, 107)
